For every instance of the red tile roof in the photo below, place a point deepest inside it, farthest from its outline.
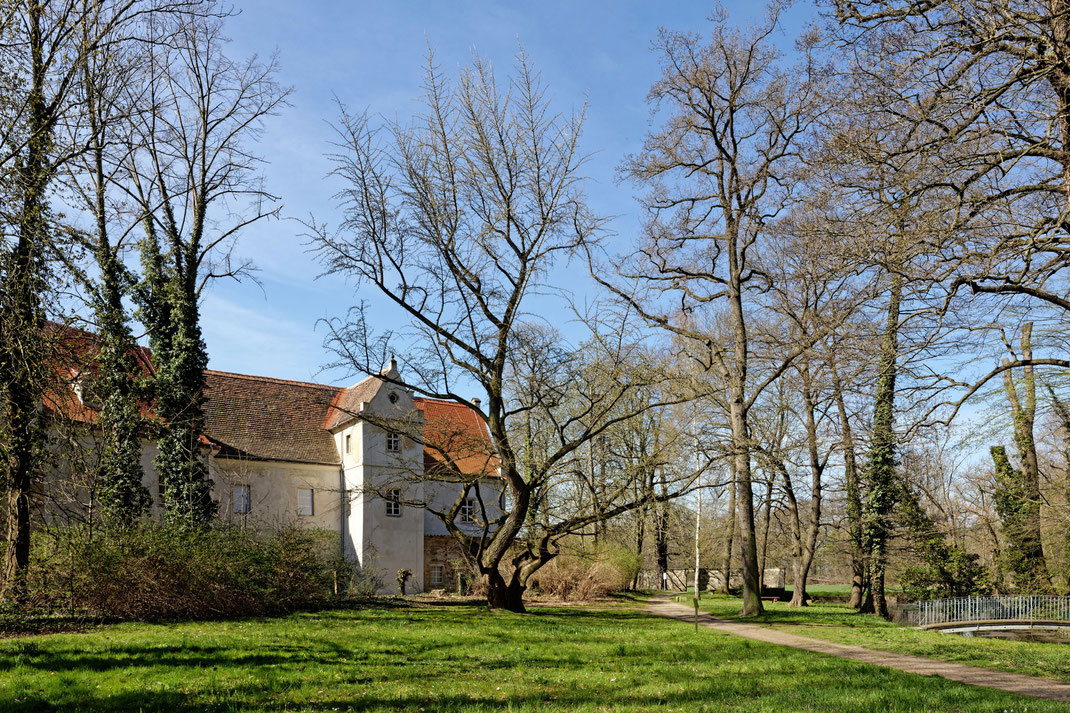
(269, 419)
(458, 433)
(74, 354)
(277, 419)
(346, 403)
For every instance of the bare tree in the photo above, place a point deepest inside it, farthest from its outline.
(734, 123)
(457, 222)
(192, 173)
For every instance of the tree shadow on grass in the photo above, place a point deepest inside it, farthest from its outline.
(788, 683)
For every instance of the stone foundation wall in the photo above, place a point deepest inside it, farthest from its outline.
(445, 552)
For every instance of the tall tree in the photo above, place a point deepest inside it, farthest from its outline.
(734, 124)
(193, 175)
(113, 379)
(987, 92)
(457, 221)
(46, 46)
(1018, 497)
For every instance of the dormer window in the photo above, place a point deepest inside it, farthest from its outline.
(393, 442)
(84, 395)
(468, 510)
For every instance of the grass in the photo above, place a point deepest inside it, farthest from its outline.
(841, 624)
(454, 658)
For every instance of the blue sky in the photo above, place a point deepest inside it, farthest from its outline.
(371, 55)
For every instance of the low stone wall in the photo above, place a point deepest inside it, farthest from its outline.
(712, 579)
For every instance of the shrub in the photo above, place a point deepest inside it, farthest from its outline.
(150, 573)
(586, 575)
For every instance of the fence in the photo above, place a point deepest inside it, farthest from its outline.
(964, 609)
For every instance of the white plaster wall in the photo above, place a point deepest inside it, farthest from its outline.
(441, 496)
(273, 487)
(386, 544)
(63, 494)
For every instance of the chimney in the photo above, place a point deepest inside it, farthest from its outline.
(393, 363)
(476, 402)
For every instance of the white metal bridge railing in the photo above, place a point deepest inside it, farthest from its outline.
(965, 609)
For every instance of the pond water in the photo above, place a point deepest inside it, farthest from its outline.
(1038, 636)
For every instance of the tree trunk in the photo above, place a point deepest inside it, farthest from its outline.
(23, 321)
(808, 544)
(765, 530)
(748, 549)
(501, 595)
(729, 541)
(854, 500)
(798, 587)
(661, 535)
(883, 487)
(1023, 535)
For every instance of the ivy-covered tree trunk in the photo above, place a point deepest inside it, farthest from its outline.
(23, 322)
(122, 494)
(1024, 555)
(123, 497)
(882, 486)
(1064, 417)
(170, 311)
(1017, 498)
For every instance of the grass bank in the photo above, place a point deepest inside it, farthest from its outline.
(841, 624)
(454, 658)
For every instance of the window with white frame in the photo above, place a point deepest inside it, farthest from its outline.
(306, 502)
(393, 502)
(242, 500)
(468, 510)
(436, 575)
(393, 442)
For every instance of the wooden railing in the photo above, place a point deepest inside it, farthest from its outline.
(967, 609)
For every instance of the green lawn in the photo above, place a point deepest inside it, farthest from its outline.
(839, 623)
(454, 658)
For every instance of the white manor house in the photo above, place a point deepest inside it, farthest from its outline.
(290, 452)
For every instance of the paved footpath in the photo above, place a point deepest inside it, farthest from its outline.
(662, 605)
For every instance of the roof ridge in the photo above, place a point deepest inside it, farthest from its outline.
(271, 379)
(446, 402)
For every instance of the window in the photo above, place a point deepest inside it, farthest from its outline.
(242, 501)
(393, 502)
(468, 510)
(393, 442)
(349, 443)
(305, 502)
(436, 575)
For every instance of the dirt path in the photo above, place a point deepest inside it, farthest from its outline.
(662, 605)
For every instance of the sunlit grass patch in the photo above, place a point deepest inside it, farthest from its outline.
(453, 659)
(841, 624)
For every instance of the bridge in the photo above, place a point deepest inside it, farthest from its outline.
(962, 615)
